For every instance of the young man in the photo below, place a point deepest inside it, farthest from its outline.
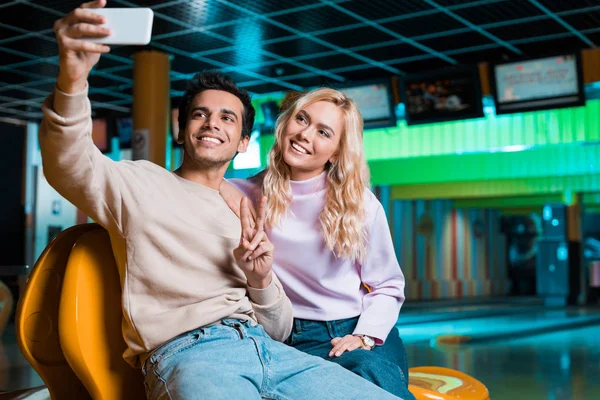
(199, 316)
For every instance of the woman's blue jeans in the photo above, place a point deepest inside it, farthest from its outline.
(385, 366)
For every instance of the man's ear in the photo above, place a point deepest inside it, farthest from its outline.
(243, 145)
(180, 135)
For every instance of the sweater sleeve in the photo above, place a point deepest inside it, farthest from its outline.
(271, 305)
(382, 273)
(273, 309)
(73, 165)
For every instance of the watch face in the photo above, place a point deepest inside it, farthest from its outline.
(368, 341)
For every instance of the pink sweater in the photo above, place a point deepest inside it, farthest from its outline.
(323, 287)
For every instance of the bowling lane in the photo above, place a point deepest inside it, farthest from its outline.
(491, 328)
(450, 313)
(505, 301)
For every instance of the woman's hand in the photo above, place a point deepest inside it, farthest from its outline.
(346, 343)
(254, 254)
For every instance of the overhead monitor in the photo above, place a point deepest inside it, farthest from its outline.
(375, 101)
(538, 84)
(448, 94)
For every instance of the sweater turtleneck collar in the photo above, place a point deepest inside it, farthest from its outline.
(309, 186)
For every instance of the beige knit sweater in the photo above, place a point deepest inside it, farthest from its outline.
(172, 238)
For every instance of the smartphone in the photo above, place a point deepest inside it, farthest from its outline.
(130, 26)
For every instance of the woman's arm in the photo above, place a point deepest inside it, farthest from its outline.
(381, 272)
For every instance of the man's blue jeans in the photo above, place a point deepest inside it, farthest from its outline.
(385, 366)
(235, 360)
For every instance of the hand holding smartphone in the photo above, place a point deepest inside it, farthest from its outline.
(85, 33)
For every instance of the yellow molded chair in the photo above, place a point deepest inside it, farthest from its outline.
(438, 383)
(90, 320)
(37, 317)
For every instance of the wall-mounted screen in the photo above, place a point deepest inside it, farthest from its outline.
(375, 101)
(538, 84)
(442, 95)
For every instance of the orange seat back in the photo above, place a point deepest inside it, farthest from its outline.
(37, 317)
(90, 321)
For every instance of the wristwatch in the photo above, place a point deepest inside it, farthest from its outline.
(367, 340)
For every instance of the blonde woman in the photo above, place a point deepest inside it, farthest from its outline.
(331, 239)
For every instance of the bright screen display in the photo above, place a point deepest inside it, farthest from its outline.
(375, 103)
(537, 79)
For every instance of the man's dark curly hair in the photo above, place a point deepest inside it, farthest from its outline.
(211, 80)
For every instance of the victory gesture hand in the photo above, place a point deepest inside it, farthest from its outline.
(254, 254)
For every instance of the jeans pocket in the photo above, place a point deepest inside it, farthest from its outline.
(290, 340)
(171, 348)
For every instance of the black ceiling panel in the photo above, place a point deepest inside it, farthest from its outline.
(356, 37)
(424, 25)
(266, 7)
(401, 50)
(533, 29)
(272, 45)
(557, 6)
(379, 9)
(494, 12)
(296, 47)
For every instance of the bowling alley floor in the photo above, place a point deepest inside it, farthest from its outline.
(559, 365)
(520, 349)
(564, 365)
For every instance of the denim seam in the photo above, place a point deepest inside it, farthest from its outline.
(331, 329)
(160, 378)
(272, 396)
(402, 374)
(263, 362)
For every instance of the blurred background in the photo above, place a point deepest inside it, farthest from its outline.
(482, 133)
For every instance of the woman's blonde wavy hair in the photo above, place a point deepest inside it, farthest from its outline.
(343, 217)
